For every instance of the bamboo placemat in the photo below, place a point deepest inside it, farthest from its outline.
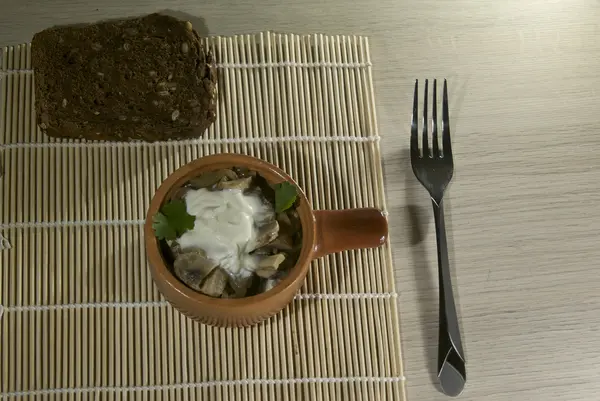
(82, 319)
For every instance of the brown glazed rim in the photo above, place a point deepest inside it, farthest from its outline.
(273, 175)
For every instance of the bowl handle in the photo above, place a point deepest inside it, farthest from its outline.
(341, 230)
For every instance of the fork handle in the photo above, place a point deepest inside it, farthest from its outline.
(451, 360)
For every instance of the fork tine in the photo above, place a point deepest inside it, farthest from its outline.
(434, 128)
(425, 138)
(414, 126)
(446, 145)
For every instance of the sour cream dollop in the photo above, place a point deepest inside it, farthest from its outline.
(226, 222)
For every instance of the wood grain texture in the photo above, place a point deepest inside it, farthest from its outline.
(524, 206)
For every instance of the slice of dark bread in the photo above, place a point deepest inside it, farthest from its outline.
(147, 78)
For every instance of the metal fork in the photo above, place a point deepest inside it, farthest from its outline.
(434, 167)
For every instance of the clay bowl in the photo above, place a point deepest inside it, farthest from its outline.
(323, 231)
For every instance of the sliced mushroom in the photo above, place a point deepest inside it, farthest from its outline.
(283, 242)
(170, 250)
(180, 192)
(267, 215)
(240, 183)
(263, 251)
(240, 284)
(215, 283)
(268, 266)
(175, 249)
(269, 284)
(210, 178)
(265, 188)
(297, 239)
(228, 292)
(244, 172)
(193, 267)
(294, 218)
(284, 221)
(290, 227)
(266, 234)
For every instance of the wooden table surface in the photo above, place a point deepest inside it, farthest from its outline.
(524, 206)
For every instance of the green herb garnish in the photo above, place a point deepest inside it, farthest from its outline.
(285, 196)
(172, 221)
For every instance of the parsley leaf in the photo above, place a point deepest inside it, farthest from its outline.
(172, 221)
(161, 227)
(285, 196)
